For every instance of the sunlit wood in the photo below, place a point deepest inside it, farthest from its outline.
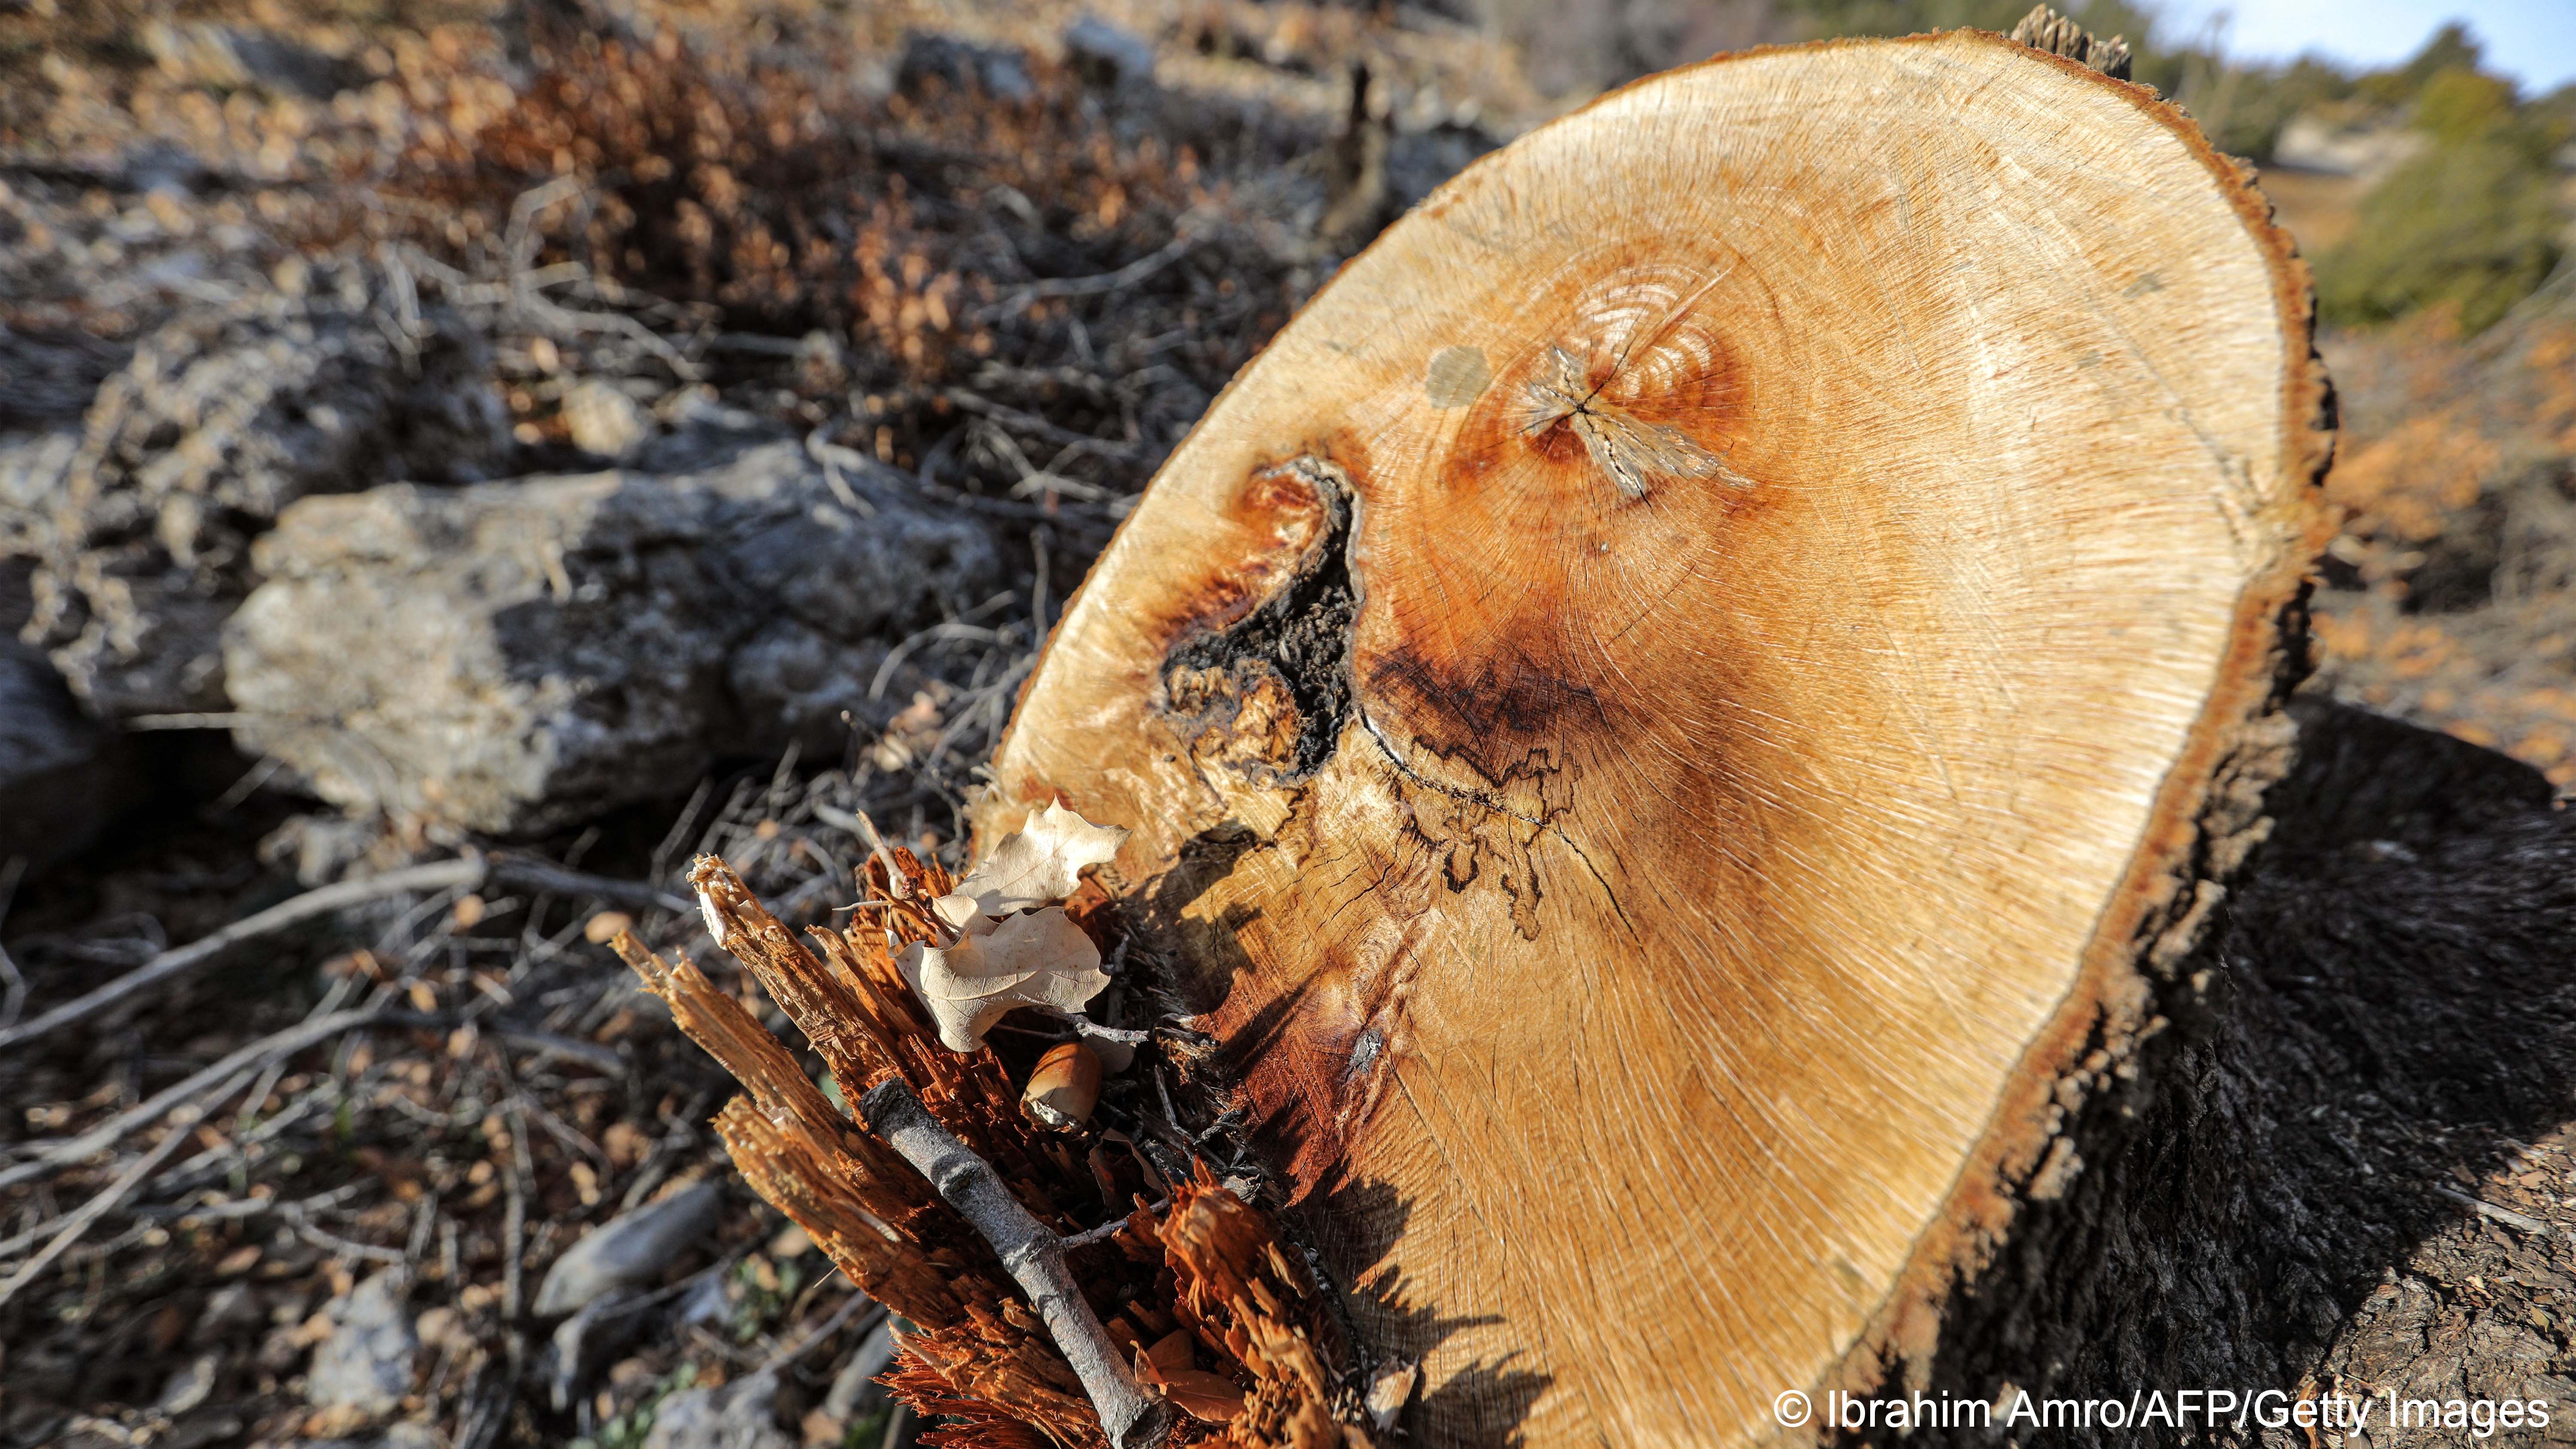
(1670, 717)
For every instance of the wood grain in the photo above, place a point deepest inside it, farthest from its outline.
(1670, 716)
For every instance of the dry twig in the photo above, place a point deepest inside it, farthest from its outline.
(172, 964)
(90, 1212)
(469, 873)
(1033, 1255)
(107, 1134)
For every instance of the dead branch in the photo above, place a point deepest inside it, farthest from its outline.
(1127, 276)
(1111, 1228)
(1034, 1256)
(849, 1306)
(107, 1134)
(469, 873)
(304, 1227)
(114, 1193)
(514, 1218)
(545, 875)
(181, 961)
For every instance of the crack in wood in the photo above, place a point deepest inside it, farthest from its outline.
(1269, 693)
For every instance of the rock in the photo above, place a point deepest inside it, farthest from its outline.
(603, 419)
(707, 1302)
(228, 1310)
(583, 1342)
(223, 417)
(1107, 55)
(704, 433)
(442, 1328)
(190, 1386)
(963, 67)
(215, 1426)
(322, 847)
(365, 1364)
(740, 1415)
(629, 1250)
(62, 775)
(518, 657)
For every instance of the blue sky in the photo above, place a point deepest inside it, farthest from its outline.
(2533, 41)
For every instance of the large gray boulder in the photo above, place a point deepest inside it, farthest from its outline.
(516, 657)
(221, 418)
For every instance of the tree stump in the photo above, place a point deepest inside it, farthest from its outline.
(1683, 723)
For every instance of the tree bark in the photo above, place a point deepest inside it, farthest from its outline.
(2313, 1181)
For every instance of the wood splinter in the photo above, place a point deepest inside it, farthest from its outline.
(1034, 1256)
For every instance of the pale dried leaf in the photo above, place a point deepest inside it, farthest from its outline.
(1039, 959)
(1037, 865)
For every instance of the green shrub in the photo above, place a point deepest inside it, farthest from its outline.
(2471, 221)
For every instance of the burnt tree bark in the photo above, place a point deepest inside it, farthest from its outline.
(2375, 1042)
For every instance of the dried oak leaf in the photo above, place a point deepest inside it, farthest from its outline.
(1015, 947)
(1037, 865)
(1038, 959)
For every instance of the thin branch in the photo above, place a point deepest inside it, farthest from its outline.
(247, 1207)
(1018, 298)
(304, 1228)
(1109, 1229)
(1034, 1256)
(804, 1345)
(514, 1217)
(545, 875)
(107, 1134)
(107, 1199)
(547, 1044)
(468, 874)
(170, 965)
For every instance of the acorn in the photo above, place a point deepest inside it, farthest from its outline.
(1064, 1088)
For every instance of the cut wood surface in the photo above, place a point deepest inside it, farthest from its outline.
(1676, 720)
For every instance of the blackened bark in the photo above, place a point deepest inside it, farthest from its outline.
(2344, 1165)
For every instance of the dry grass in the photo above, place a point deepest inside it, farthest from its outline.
(2451, 592)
